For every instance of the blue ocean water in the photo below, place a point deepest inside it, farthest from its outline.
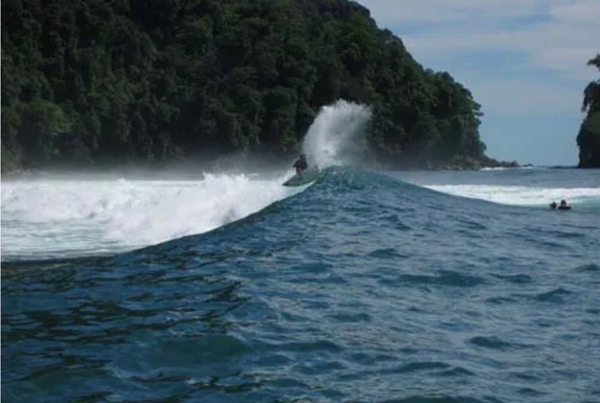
(363, 287)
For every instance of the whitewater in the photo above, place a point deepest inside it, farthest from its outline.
(58, 218)
(364, 286)
(71, 217)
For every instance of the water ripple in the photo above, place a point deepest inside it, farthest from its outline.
(319, 298)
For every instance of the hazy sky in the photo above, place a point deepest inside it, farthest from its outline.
(525, 61)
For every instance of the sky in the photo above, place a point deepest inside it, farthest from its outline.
(525, 62)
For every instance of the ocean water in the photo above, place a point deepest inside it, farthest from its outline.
(361, 287)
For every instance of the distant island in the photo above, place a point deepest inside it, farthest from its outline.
(588, 139)
(96, 83)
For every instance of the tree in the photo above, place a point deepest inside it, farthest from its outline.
(588, 139)
(116, 82)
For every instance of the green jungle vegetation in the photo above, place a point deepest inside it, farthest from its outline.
(588, 139)
(105, 83)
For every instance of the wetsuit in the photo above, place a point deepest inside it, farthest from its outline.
(300, 165)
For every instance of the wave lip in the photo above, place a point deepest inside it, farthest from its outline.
(336, 137)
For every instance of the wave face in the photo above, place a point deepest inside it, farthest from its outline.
(363, 287)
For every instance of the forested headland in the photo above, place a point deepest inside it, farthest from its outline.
(148, 82)
(588, 139)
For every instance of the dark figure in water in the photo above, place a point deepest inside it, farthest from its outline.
(300, 164)
(563, 205)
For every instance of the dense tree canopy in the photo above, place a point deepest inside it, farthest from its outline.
(122, 81)
(589, 134)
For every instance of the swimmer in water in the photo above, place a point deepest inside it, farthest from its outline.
(564, 206)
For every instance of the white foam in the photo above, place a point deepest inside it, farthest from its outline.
(42, 218)
(336, 137)
(75, 217)
(520, 195)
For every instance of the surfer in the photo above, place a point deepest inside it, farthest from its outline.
(563, 205)
(300, 164)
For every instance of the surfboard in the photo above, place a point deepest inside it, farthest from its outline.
(303, 178)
